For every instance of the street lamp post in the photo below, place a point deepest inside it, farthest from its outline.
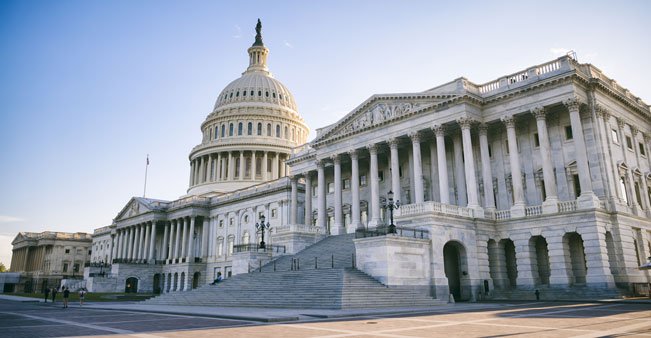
(392, 205)
(261, 227)
(101, 268)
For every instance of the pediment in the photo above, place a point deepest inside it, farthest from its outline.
(135, 207)
(637, 171)
(378, 110)
(622, 165)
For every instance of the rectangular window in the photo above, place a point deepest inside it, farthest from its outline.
(568, 133)
(536, 141)
(230, 221)
(221, 223)
(75, 268)
(362, 180)
(346, 183)
(67, 251)
(273, 213)
(642, 152)
(638, 195)
(622, 187)
(65, 267)
(400, 170)
(78, 251)
(331, 188)
(542, 188)
(629, 143)
(380, 176)
(315, 191)
(614, 136)
(490, 151)
(577, 186)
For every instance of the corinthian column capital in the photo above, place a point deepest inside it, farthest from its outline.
(509, 121)
(414, 136)
(393, 143)
(465, 122)
(354, 154)
(573, 103)
(539, 112)
(372, 148)
(439, 130)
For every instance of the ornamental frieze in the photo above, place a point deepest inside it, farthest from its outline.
(379, 114)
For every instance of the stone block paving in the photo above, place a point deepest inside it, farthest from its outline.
(539, 319)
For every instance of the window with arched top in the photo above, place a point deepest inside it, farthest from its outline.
(230, 130)
(259, 129)
(292, 134)
(259, 93)
(237, 94)
(286, 135)
(277, 130)
(223, 130)
(231, 95)
(268, 129)
(244, 93)
(252, 93)
(274, 95)
(239, 129)
(266, 94)
(216, 132)
(249, 129)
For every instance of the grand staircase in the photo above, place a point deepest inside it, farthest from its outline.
(303, 284)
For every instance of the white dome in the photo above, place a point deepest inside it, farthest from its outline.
(256, 87)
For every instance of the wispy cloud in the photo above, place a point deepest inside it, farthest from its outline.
(289, 45)
(559, 51)
(238, 33)
(10, 219)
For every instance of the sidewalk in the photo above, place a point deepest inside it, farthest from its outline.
(23, 299)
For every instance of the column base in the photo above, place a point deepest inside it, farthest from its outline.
(374, 223)
(338, 229)
(352, 227)
(517, 211)
(478, 211)
(550, 205)
(588, 200)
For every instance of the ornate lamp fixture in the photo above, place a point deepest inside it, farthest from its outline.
(262, 226)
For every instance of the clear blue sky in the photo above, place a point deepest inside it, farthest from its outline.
(88, 88)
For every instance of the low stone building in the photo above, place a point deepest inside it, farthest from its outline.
(45, 258)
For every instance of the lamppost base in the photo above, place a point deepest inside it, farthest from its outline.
(262, 245)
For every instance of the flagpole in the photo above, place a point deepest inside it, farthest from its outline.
(146, 167)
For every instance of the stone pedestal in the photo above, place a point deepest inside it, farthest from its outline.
(550, 206)
(587, 201)
(253, 259)
(296, 237)
(396, 261)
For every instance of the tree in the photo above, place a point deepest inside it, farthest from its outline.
(3, 268)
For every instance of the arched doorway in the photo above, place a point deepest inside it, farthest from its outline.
(453, 264)
(131, 285)
(195, 280)
(574, 244)
(511, 261)
(157, 283)
(182, 282)
(176, 282)
(540, 259)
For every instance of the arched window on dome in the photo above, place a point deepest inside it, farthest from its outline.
(293, 134)
(259, 129)
(223, 130)
(216, 132)
(230, 130)
(237, 167)
(258, 166)
(259, 93)
(277, 130)
(249, 129)
(251, 93)
(244, 93)
(239, 129)
(237, 94)
(231, 95)
(286, 135)
(266, 94)
(247, 171)
(281, 96)
(274, 95)
(269, 129)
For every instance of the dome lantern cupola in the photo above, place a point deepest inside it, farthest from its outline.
(258, 53)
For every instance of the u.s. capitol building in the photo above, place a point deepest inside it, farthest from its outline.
(538, 180)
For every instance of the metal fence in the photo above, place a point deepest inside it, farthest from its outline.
(257, 248)
(384, 230)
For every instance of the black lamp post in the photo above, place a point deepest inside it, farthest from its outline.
(392, 205)
(261, 227)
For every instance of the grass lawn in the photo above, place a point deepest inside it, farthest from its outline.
(90, 296)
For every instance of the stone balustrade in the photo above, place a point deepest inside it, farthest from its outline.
(298, 228)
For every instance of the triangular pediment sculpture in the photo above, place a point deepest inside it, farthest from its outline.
(133, 208)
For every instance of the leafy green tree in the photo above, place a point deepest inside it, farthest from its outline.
(2, 268)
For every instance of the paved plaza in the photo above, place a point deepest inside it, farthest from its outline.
(532, 319)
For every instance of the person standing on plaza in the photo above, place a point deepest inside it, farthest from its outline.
(46, 292)
(54, 295)
(66, 294)
(82, 293)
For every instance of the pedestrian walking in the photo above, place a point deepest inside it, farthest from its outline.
(47, 293)
(66, 294)
(54, 295)
(82, 293)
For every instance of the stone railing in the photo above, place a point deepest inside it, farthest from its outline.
(567, 206)
(529, 75)
(431, 206)
(502, 214)
(533, 210)
(298, 228)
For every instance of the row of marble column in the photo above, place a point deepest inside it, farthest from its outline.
(438, 151)
(28, 258)
(135, 242)
(218, 167)
(178, 240)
